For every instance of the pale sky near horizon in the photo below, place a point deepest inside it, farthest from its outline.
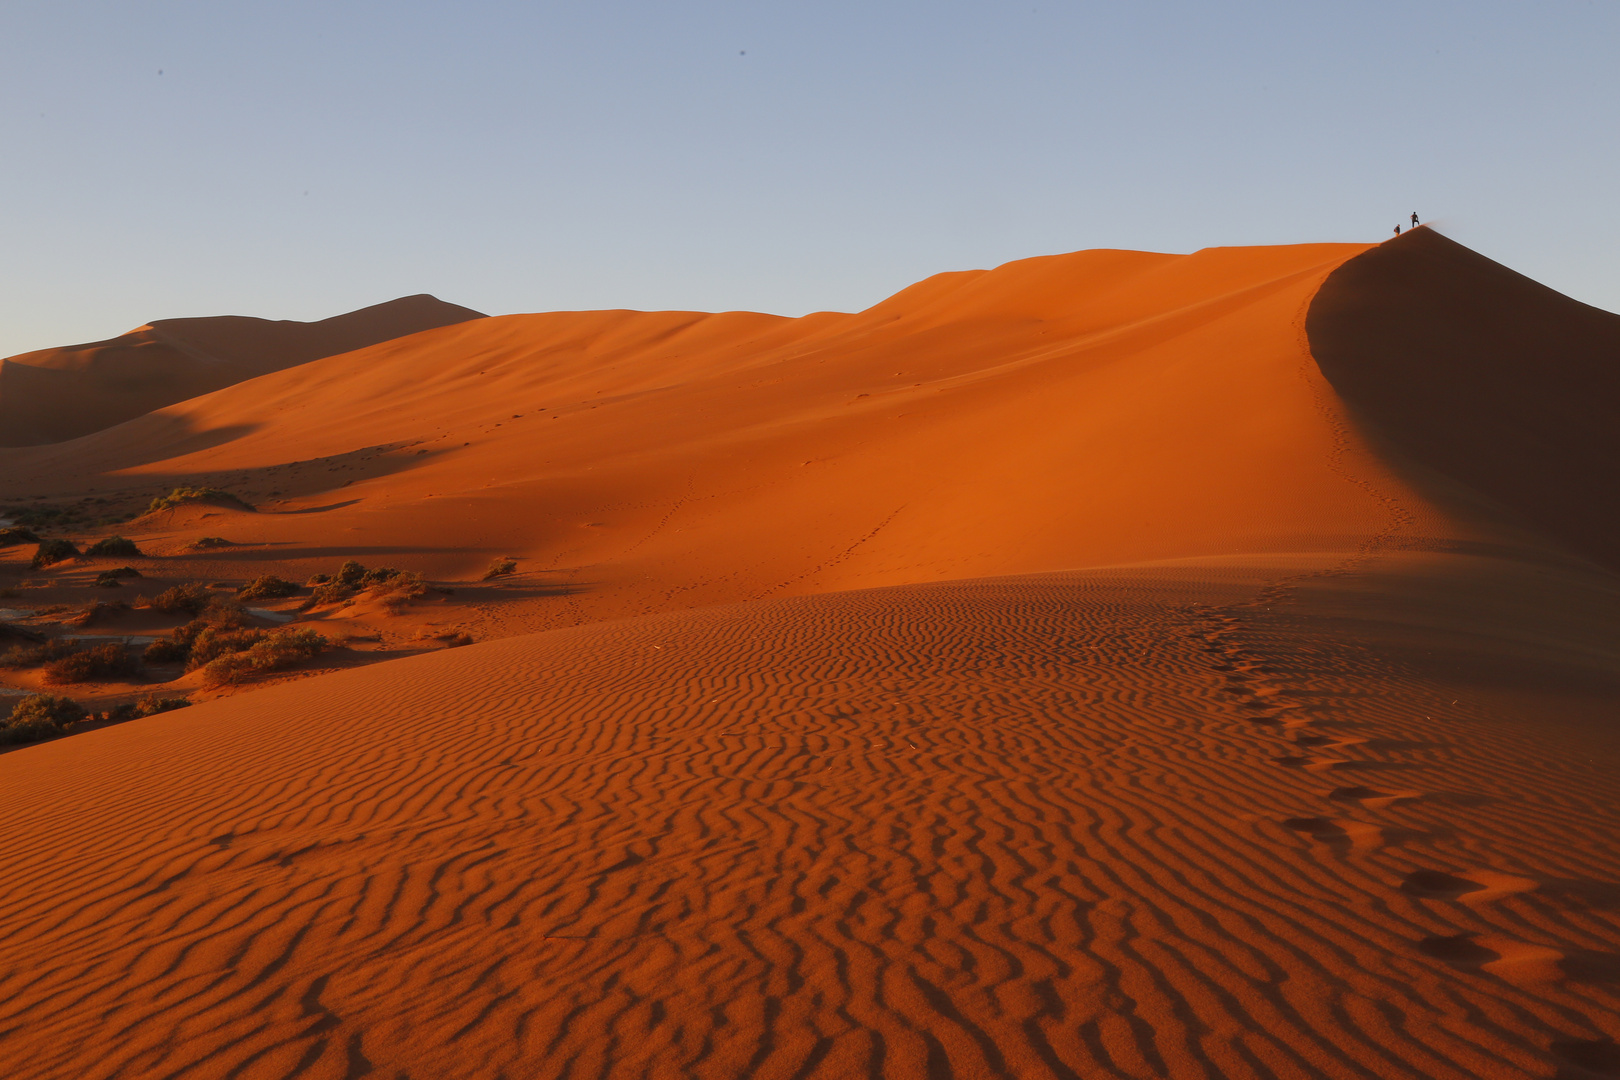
(296, 159)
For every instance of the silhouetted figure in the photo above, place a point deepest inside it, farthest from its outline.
(1414, 219)
(1397, 230)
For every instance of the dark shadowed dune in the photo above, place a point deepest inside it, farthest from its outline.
(1484, 375)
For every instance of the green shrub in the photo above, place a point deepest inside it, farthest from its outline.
(104, 663)
(13, 535)
(51, 552)
(114, 547)
(276, 651)
(182, 495)
(350, 573)
(500, 567)
(206, 543)
(40, 716)
(268, 587)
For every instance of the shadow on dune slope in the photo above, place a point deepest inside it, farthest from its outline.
(1482, 374)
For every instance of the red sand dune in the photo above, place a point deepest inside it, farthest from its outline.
(1048, 672)
(57, 394)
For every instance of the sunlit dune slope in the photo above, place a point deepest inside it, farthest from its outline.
(56, 394)
(1482, 375)
(1083, 409)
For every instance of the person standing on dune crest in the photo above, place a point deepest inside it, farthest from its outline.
(1397, 230)
(1414, 219)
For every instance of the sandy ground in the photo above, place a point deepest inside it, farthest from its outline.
(1048, 672)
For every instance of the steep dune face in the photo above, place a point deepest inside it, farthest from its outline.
(58, 394)
(1481, 374)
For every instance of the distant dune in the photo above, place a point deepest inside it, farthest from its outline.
(1108, 665)
(57, 394)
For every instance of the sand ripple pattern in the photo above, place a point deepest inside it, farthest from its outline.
(1025, 827)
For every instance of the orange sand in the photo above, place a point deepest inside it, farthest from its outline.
(56, 394)
(1045, 673)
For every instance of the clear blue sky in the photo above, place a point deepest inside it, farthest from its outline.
(297, 159)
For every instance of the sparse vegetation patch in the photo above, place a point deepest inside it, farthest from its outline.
(114, 547)
(104, 663)
(12, 535)
(268, 587)
(109, 579)
(208, 543)
(51, 552)
(500, 567)
(180, 496)
(40, 716)
(275, 651)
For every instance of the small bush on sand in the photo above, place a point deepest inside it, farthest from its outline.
(35, 654)
(215, 642)
(330, 593)
(186, 599)
(110, 579)
(104, 663)
(219, 616)
(51, 552)
(151, 705)
(208, 543)
(182, 495)
(399, 590)
(100, 611)
(114, 547)
(318, 579)
(40, 716)
(268, 587)
(500, 567)
(13, 535)
(350, 573)
(166, 650)
(276, 651)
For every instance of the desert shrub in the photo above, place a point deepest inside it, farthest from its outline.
(114, 547)
(35, 654)
(109, 579)
(40, 716)
(188, 599)
(500, 567)
(215, 642)
(399, 589)
(456, 641)
(13, 535)
(318, 579)
(166, 650)
(151, 705)
(101, 664)
(51, 552)
(99, 611)
(350, 573)
(182, 495)
(268, 587)
(330, 593)
(276, 651)
(208, 543)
